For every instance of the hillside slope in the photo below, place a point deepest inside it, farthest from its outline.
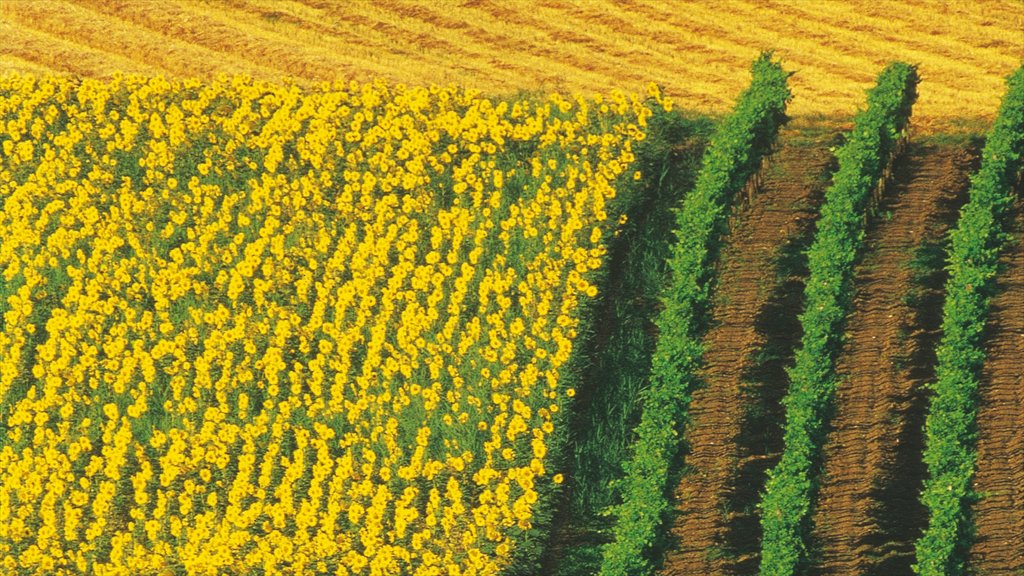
(694, 48)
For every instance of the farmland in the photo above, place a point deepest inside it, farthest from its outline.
(963, 49)
(514, 289)
(191, 369)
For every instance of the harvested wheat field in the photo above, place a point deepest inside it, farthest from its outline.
(696, 50)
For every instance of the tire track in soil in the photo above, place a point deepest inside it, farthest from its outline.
(727, 451)
(999, 476)
(867, 515)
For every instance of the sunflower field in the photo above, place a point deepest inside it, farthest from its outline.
(253, 328)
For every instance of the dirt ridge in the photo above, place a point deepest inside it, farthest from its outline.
(867, 515)
(999, 477)
(703, 534)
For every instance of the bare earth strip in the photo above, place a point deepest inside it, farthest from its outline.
(748, 282)
(867, 514)
(999, 516)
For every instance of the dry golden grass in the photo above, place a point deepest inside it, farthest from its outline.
(698, 50)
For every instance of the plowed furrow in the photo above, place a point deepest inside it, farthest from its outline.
(999, 516)
(867, 514)
(750, 280)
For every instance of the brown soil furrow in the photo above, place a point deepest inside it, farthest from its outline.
(872, 453)
(999, 516)
(749, 279)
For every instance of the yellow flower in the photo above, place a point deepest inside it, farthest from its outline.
(347, 260)
(110, 411)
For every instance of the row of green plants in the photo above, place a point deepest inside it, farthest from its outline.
(734, 155)
(862, 160)
(972, 262)
(590, 436)
(616, 359)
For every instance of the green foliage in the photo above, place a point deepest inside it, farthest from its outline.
(972, 264)
(612, 347)
(786, 503)
(734, 155)
(618, 357)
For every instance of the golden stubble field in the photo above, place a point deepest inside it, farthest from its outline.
(699, 51)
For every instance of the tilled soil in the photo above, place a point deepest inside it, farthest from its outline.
(999, 516)
(867, 514)
(753, 331)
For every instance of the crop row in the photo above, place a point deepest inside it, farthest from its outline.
(972, 264)
(628, 258)
(862, 161)
(735, 153)
(616, 356)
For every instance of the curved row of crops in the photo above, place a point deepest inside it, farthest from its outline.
(972, 263)
(734, 154)
(253, 328)
(789, 489)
